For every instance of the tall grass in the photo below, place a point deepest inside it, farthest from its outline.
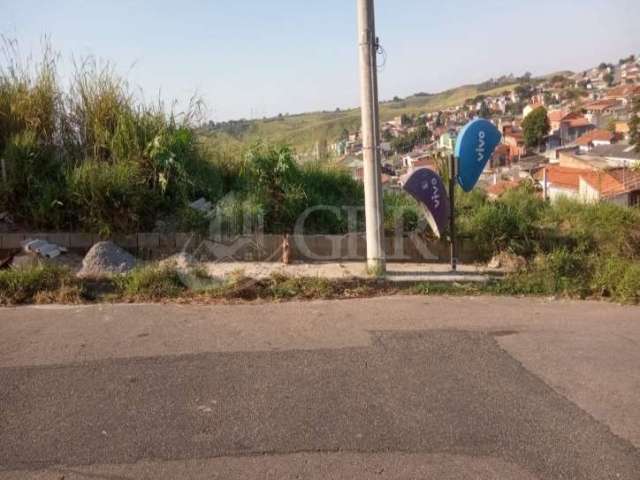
(95, 157)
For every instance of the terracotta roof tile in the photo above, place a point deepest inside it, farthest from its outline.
(595, 135)
(577, 122)
(564, 177)
(604, 183)
(556, 115)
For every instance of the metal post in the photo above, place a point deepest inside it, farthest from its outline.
(452, 217)
(371, 137)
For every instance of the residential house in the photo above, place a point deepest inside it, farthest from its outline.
(412, 159)
(595, 138)
(630, 73)
(572, 127)
(600, 111)
(447, 140)
(623, 93)
(620, 186)
(514, 140)
(570, 158)
(617, 155)
(622, 130)
(501, 156)
(429, 163)
(561, 182)
(555, 120)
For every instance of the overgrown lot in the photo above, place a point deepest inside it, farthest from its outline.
(92, 156)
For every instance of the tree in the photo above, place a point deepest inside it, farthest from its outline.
(608, 77)
(406, 143)
(524, 91)
(387, 136)
(406, 120)
(526, 77)
(634, 124)
(535, 127)
(602, 66)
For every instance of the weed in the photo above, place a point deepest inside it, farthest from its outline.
(151, 283)
(39, 284)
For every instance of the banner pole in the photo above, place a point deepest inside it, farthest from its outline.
(452, 216)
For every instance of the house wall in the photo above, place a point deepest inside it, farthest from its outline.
(568, 159)
(555, 193)
(266, 248)
(587, 193)
(621, 200)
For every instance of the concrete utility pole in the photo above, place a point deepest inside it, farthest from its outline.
(371, 136)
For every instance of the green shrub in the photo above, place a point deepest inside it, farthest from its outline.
(330, 185)
(401, 210)
(607, 275)
(561, 272)
(497, 227)
(628, 288)
(603, 228)
(151, 283)
(510, 224)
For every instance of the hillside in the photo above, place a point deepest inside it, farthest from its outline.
(303, 130)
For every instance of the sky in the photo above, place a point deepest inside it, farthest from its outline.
(254, 58)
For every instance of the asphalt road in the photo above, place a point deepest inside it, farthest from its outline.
(385, 388)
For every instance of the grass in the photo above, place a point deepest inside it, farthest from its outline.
(39, 284)
(559, 275)
(150, 283)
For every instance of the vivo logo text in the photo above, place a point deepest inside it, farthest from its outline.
(481, 146)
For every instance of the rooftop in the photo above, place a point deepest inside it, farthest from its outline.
(627, 152)
(614, 182)
(595, 136)
(564, 177)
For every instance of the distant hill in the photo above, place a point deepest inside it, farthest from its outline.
(303, 130)
(561, 73)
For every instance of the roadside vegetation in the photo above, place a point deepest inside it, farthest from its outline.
(94, 157)
(571, 249)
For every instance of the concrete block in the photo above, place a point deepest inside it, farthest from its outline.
(82, 240)
(189, 241)
(128, 242)
(168, 241)
(10, 241)
(61, 239)
(148, 241)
